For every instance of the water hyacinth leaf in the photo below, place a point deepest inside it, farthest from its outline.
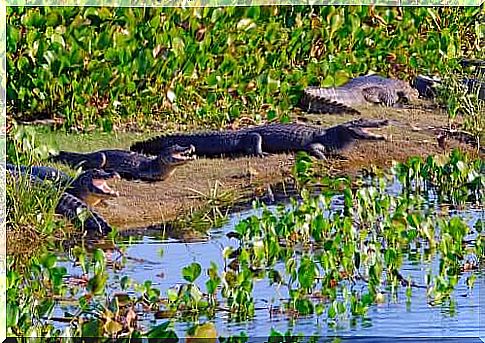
(307, 272)
(304, 306)
(92, 328)
(112, 327)
(49, 260)
(191, 272)
(97, 283)
(163, 332)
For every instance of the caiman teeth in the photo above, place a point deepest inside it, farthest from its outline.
(186, 154)
(103, 186)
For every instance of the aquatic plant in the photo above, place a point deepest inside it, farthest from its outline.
(97, 66)
(454, 177)
(332, 255)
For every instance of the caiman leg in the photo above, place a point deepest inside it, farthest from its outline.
(69, 206)
(379, 95)
(253, 144)
(316, 150)
(374, 94)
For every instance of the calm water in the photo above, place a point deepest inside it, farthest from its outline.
(395, 318)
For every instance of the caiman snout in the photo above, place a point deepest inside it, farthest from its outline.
(182, 153)
(99, 185)
(358, 128)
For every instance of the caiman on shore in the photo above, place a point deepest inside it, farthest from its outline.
(362, 90)
(427, 86)
(272, 138)
(131, 165)
(89, 187)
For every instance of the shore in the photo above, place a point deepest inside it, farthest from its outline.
(189, 189)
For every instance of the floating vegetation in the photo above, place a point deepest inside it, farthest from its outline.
(332, 256)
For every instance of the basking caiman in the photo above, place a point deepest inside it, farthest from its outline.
(131, 165)
(90, 186)
(362, 90)
(272, 138)
(427, 86)
(86, 187)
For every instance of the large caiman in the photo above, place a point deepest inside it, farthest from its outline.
(271, 138)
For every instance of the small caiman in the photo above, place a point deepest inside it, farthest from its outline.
(131, 165)
(88, 187)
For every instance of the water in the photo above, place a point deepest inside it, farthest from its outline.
(394, 318)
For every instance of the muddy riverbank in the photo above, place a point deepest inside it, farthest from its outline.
(242, 179)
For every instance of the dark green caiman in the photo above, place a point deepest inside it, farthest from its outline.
(362, 90)
(131, 165)
(89, 187)
(272, 138)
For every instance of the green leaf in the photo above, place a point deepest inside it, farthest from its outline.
(161, 331)
(12, 315)
(49, 260)
(97, 283)
(191, 272)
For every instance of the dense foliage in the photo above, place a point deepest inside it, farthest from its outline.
(210, 65)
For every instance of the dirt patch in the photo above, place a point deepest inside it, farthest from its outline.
(145, 204)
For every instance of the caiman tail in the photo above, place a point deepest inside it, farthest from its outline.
(71, 207)
(322, 100)
(76, 160)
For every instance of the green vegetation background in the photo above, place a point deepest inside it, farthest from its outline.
(211, 65)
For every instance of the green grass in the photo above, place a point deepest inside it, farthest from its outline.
(89, 141)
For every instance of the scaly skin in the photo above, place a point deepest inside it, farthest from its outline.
(273, 138)
(131, 165)
(362, 90)
(69, 205)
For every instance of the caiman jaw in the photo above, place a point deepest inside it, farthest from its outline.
(101, 187)
(182, 154)
(361, 133)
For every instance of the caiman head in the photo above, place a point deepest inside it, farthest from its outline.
(176, 155)
(340, 137)
(357, 128)
(91, 186)
(173, 156)
(406, 93)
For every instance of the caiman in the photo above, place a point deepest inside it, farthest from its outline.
(90, 186)
(131, 165)
(272, 138)
(86, 187)
(427, 86)
(362, 90)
